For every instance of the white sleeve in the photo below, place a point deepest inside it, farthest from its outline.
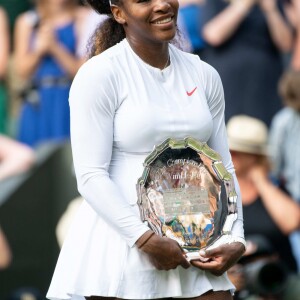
(93, 102)
(218, 140)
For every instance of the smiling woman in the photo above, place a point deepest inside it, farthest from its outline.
(137, 90)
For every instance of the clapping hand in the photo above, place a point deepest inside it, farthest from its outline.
(45, 39)
(258, 173)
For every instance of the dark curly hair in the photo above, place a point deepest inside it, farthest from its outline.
(110, 32)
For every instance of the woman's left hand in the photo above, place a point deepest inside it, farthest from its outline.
(221, 258)
(258, 174)
(267, 5)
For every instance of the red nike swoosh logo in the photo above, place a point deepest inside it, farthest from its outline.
(191, 92)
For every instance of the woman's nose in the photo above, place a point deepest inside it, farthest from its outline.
(162, 5)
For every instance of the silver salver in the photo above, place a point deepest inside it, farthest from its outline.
(186, 194)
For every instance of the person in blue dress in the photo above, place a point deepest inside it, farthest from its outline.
(45, 56)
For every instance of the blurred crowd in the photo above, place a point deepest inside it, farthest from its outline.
(253, 44)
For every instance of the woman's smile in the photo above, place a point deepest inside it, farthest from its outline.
(163, 21)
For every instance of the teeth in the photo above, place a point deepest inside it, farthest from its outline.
(163, 21)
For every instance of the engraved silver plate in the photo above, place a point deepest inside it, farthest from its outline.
(185, 193)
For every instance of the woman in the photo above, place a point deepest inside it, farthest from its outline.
(137, 92)
(278, 213)
(45, 47)
(4, 54)
(246, 40)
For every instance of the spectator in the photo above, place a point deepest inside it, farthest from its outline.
(4, 54)
(246, 41)
(285, 143)
(15, 157)
(268, 211)
(45, 46)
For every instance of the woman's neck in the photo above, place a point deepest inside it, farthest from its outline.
(49, 11)
(156, 55)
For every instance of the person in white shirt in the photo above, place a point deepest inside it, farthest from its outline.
(135, 92)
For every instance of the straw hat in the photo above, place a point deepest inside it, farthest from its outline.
(247, 134)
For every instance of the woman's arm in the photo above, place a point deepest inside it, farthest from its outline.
(71, 62)
(92, 107)
(14, 157)
(26, 59)
(218, 139)
(281, 33)
(225, 255)
(282, 208)
(292, 11)
(295, 61)
(67, 60)
(4, 42)
(220, 28)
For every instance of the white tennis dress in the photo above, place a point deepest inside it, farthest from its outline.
(120, 108)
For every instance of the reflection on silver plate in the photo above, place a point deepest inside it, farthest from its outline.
(185, 193)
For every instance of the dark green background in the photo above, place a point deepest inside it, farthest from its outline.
(14, 8)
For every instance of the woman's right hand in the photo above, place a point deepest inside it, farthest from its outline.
(164, 253)
(44, 39)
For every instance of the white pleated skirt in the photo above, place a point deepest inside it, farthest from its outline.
(95, 260)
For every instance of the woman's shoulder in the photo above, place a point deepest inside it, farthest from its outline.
(101, 66)
(110, 57)
(28, 18)
(81, 12)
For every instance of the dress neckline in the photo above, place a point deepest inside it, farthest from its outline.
(156, 71)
